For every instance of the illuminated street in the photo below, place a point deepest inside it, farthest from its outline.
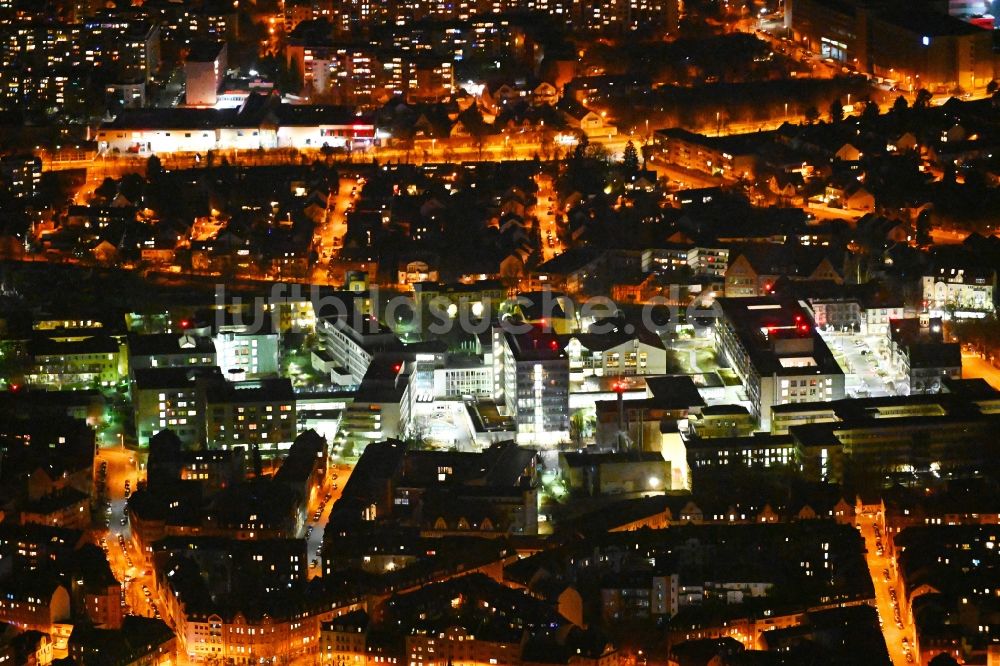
(895, 632)
(974, 365)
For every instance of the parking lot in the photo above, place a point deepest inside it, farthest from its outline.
(866, 372)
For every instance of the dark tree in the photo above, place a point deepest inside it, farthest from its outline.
(924, 228)
(154, 168)
(836, 111)
(131, 187)
(871, 111)
(107, 189)
(948, 173)
(55, 189)
(630, 159)
(992, 87)
(811, 115)
(923, 99)
(900, 105)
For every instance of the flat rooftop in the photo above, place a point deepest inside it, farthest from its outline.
(779, 336)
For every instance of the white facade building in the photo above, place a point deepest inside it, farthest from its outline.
(969, 293)
(260, 122)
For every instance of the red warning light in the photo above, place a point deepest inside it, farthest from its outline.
(397, 367)
(554, 345)
(804, 328)
(185, 324)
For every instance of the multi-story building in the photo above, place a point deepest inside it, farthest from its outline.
(127, 46)
(837, 314)
(721, 421)
(614, 354)
(139, 640)
(249, 126)
(444, 304)
(923, 433)
(167, 398)
(279, 618)
(183, 23)
(169, 350)
(639, 594)
(775, 350)
(169, 461)
(41, 66)
(259, 414)
(427, 78)
(754, 270)
(667, 257)
(20, 176)
(710, 261)
(732, 156)
(352, 340)
(459, 378)
(460, 645)
(36, 603)
(915, 46)
(747, 451)
(960, 396)
(535, 378)
(876, 316)
(204, 70)
(31, 546)
(342, 640)
(66, 507)
(247, 351)
(960, 292)
(84, 361)
(918, 354)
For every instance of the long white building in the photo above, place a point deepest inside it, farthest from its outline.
(261, 122)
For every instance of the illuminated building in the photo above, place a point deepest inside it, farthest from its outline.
(916, 47)
(259, 414)
(965, 290)
(534, 375)
(777, 353)
(204, 70)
